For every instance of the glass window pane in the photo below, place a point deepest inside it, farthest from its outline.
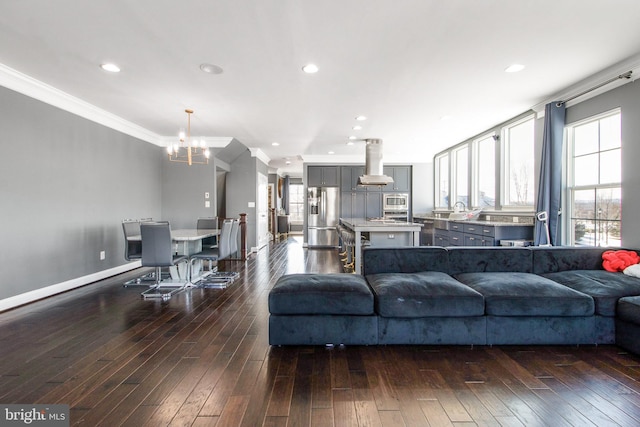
(584, 204)
(442, 181)
(585, 139)
(608, 233)
(486, 173)
(610, 162)
(609, 203)
(520, 174)
(585, 170)
(462, 175)
(583, 232)
(610, 133)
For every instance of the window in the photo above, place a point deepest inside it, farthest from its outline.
(484, 172)
(594, 181)
(442, 181)
(461, 175)
(518, 173)
(296, 203)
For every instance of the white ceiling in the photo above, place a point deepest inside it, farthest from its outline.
(404, 64)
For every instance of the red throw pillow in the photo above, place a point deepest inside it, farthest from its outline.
(619, 260)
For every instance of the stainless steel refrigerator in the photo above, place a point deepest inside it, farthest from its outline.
(323, 212)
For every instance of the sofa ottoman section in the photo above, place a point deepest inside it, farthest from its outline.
(319, 309)
(606, 289)
(429, 307)
(524, 308)
(628, 324)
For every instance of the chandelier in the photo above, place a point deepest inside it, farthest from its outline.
(187, 150)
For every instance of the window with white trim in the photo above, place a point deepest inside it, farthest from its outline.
(484, 172)
(297, 201)
(518, 165)
(442, 181)
(461, 176)
(594, 181)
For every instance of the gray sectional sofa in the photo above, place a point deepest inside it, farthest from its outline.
(459, 295)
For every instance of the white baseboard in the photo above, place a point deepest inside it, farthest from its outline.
(37, 294)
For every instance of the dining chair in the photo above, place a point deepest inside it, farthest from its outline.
(208, 223)
(233, 238)
(218, 253)
(157, 251)
(133, 251)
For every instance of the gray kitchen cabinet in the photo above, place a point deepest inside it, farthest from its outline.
(462, 233)
(349, 178)
(360, 205)
(401, 178)
(323, 176)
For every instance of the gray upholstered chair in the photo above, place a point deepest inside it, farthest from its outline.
(233, 238)
(209, 223)
(132, 248)
(215, 254)
(157, 251)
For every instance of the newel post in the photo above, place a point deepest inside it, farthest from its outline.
(243, 236)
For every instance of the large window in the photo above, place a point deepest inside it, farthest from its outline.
(461, 176)
(296, 203)
(518, 168)
(484, 172)
(594, 181)
(442, 181)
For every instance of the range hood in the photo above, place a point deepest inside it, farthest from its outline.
(373, 174)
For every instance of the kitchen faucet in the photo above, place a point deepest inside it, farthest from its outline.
(455, 207)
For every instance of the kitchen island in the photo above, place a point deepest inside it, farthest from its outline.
(381, 233)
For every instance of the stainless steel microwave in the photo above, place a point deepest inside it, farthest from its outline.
(395, 202)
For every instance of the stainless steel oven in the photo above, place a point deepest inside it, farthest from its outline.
(395, 202)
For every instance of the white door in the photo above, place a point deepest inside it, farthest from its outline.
(262, 210)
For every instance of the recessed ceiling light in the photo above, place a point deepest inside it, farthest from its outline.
(275, 144)
(361, 118)
(211, 69)
(352, 137)
(288, 162)
(514, 68)
(112, 68)
(310, 68)
(332, 152)
(350, 143)
(356, 127)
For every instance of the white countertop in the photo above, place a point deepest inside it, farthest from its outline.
(363, 224)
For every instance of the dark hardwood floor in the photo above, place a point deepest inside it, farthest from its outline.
(203, 359)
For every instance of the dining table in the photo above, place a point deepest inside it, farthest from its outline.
(187, 242)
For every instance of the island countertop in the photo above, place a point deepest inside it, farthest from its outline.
(363, 224)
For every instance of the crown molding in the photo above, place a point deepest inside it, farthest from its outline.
(211, 141)
(256, 152)
(21, 83)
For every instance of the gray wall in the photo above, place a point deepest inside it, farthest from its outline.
(627, 97)
(183, 192)
(66, 183)
(241, 189)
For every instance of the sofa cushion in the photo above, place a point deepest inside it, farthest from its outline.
(424, 294)
(486, 259)
(321, 294)
(605, 287)
(629, 309)
(561, 258)
(404, 260)
(524, 294)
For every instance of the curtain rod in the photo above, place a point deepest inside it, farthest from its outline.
(626, 75)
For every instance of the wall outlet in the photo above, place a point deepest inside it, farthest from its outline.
(103, 255)
(207, 204)
(488, 218)
(252, 204)
(515, 219)
(392, 236)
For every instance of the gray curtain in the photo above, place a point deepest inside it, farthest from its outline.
(285, 194)
(550, 184)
